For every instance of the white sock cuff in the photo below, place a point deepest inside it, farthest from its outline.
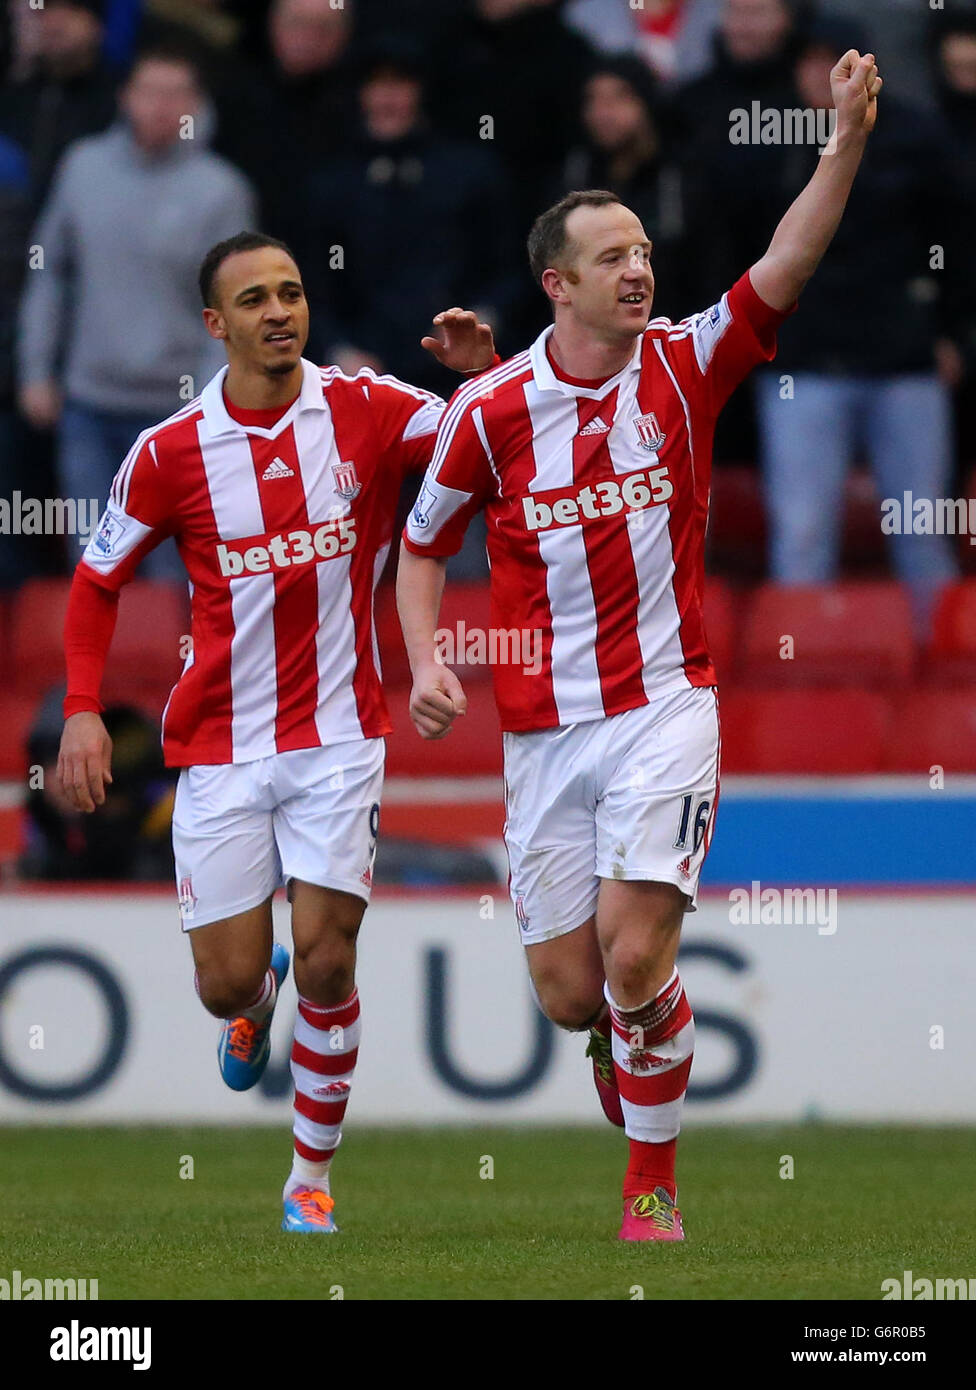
(264, 1001)
(639, 1008)
(307, 1174)
(331, 1008)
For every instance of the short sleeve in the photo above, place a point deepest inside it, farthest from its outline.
(457, 484)
(407, 417)
(714, 351)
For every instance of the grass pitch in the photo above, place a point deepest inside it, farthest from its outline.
(420, 1222)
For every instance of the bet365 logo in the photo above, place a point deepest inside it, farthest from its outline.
(262, 554)
(632, 493)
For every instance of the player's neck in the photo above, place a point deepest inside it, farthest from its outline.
(255, 390)
(577, 353)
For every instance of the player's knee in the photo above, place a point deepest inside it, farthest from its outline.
(574, 1018)
(568, 1008)
(225, 993)
(325, 970)
(640, 967)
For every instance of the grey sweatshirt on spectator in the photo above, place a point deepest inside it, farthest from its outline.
(114, 315)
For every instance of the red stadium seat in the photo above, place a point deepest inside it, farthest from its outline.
(473, 748)
(951, 659)
(857, 633)
(737, 534)
(17, 714)
(933, 728)
(803, 731)
(37, 647)
(737, 521)
(721, 622)
(144, 658)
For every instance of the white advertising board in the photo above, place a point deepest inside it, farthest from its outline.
(871, 1020)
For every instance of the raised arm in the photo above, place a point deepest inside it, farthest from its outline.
(802, 237)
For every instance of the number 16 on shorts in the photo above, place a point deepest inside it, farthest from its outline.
(701, 812)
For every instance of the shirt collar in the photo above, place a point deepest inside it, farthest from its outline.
(219, 421)
(547, 380)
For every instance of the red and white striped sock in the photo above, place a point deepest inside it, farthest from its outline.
(323, 1059)
(264, 1001)
(652, 1053)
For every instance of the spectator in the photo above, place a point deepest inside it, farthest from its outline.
(754, 34)
(673, 37)
(17, 555)
(517, 74)
(752, 51)
(310, 69)
(130, 216)
(283, 119)
(67, 92)
(955, 85)
(423, 223)
(860, 360)
(754, 47)
(896, 30)
(627, 150)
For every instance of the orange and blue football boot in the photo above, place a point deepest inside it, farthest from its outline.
(244, 1046)
(309, 1209)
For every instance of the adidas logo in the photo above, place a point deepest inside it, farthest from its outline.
(596, 426)
(277, 469)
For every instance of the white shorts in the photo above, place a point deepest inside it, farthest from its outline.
(628, 797)
(240, 830)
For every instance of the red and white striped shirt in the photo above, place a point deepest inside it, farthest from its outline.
(284, 532)
(596, 499)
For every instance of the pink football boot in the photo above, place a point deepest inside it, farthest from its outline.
(652, 1216)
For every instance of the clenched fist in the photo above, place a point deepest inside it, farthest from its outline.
(854, 85)
(436, 700)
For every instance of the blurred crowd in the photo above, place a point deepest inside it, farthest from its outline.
(403, 148)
